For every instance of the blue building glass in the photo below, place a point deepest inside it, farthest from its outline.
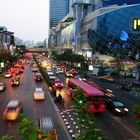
(120, 2)
(115, 29)
(58, 10)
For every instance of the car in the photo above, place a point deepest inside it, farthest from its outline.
(38, 77)
(80, 77)
(2, 86)
(64, 68)
(21, 70)
(12, 70)
(58, 84)
(34, 69)
(12, 110)
(39, 94)
(115, 106)
(15, 81)
(73, 71)
(34, 65)
(46, 124)
(68, 74)
(8, 75)
(106, 78)
(50, 72)
(51, 75)
(93, 84)
(59, 71)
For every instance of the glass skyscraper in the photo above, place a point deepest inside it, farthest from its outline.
(58, 10)
(120, 2)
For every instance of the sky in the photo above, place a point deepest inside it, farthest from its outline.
(28, 19)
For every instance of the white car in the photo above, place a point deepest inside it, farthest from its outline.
(50, 72)
(8, 74)
(59, 71)
(35, 69)
(52, 76)
(2, 86)
(39, 94)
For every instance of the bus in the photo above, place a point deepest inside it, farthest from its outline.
(96, 96)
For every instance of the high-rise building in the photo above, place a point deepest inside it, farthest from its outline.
(6, 38)
(120, 2)
(58, 10)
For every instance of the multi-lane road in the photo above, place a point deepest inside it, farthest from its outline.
(32, 109)
(115, 127)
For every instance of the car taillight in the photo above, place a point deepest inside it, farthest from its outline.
(5, 111)
(17, 110)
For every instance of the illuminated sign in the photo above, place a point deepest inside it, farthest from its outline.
(136, 24)
(2, 64)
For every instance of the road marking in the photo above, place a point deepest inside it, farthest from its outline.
(115, 118)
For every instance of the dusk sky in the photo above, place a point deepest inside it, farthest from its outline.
(28, 19)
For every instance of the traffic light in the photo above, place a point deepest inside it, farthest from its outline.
(80, 101)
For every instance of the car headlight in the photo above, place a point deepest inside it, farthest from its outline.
(118, 110)
(126, 109)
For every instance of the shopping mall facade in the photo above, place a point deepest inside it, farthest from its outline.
(99, 29)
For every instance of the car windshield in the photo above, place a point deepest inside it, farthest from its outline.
(38, 92)
(51, 74)
(7, 73)
(11, 109)
(118, 104)
(1, 84)
(58, 81)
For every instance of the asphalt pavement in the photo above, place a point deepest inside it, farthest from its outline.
(32, 109)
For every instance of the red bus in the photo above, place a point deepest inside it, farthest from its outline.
(97, 103)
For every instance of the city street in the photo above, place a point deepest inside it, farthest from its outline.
(70, 70)
(32, 109)
(115, 127)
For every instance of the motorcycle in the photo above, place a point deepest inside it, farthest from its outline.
(58, 100)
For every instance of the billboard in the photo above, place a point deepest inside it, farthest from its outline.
(136, 24)
(66, 37)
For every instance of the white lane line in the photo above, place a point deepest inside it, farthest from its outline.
(126, 127)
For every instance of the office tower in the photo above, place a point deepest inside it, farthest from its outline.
(58, 10)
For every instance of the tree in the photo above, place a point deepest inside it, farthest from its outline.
(70, 57)
(90, 129)
(54, 54)
(28, 129)
(136, 112)
(7, 57)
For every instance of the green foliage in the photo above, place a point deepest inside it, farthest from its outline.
(54, 55)
(6, 56)
(89, 128)
(68, 56)
(44, 73)
(7, 138)
(27, 128)
(136, 109)
(136, 112)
